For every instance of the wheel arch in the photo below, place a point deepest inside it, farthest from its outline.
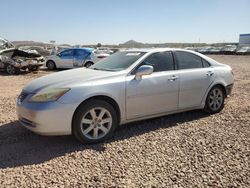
(105, 98)
(223, 88)
(88, 61)
(49, 61)
(220, 84)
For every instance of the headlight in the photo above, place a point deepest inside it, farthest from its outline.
(48, 95)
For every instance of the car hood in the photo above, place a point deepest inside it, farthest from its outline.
(6, 50)
(67, 79)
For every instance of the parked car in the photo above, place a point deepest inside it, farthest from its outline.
(12, 59)
(205, 49)
(244, 50)
(105, 50)
(100, 54)
(229, 49)
(215, 50)
(211, 50)
(191, 48)
(125, 87)
(74, 57)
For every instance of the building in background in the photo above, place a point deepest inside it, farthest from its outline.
(244, 40)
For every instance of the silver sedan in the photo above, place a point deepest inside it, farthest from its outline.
(125, 87)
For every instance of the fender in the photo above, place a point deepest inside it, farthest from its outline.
(102, 94)
(218, 82)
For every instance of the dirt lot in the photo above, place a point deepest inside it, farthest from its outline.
(189, 149)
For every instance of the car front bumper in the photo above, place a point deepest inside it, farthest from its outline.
(50, 118)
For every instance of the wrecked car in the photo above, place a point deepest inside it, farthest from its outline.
(12, 59)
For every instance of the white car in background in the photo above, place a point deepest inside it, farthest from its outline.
(105, 50)
(73, 58)
(244, 50)
(125, 87)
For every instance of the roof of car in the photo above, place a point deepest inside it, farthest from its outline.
(87, 49)
(154, 49)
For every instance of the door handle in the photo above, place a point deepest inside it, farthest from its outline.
(209, 73)
(173, 78)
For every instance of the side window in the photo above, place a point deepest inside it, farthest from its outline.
(67, 53)
(161, 61)
(80, 53)
(188, 60)
(205, 63)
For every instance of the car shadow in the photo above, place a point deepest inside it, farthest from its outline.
(19, 146)
(22, 72)
(41, 70)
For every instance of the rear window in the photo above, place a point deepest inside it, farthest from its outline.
(188, 60)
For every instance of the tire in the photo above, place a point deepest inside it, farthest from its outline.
(215, 100)
(88, 64)
(88, 127)
(51, 65)
(11, 70)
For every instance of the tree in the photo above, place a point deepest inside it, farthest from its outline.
(99, 45)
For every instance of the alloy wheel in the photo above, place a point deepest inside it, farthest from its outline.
(96, 123)
(51, 65)
(215, 99)
(10, 69)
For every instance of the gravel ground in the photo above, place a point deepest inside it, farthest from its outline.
(189, 149)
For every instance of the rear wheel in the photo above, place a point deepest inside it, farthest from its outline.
(88, 64)
(94, 121)
(215, 100)
(51, 65)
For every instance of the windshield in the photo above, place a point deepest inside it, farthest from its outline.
(118, 61)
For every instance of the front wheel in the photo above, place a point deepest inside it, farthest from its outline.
(11, 70)
(94, 121)
(88, 64)
(215, 100)
(51, 65)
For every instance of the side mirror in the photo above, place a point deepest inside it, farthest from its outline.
(143, 70)
(59, 55)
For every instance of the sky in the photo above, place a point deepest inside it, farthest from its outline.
(117, 21)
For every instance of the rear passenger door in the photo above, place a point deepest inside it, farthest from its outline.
(196, 75)
(79, 57)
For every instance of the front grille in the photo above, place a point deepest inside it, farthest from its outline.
(22, 96)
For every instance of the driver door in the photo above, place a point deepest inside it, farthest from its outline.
(156, 93)
(66, 58)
